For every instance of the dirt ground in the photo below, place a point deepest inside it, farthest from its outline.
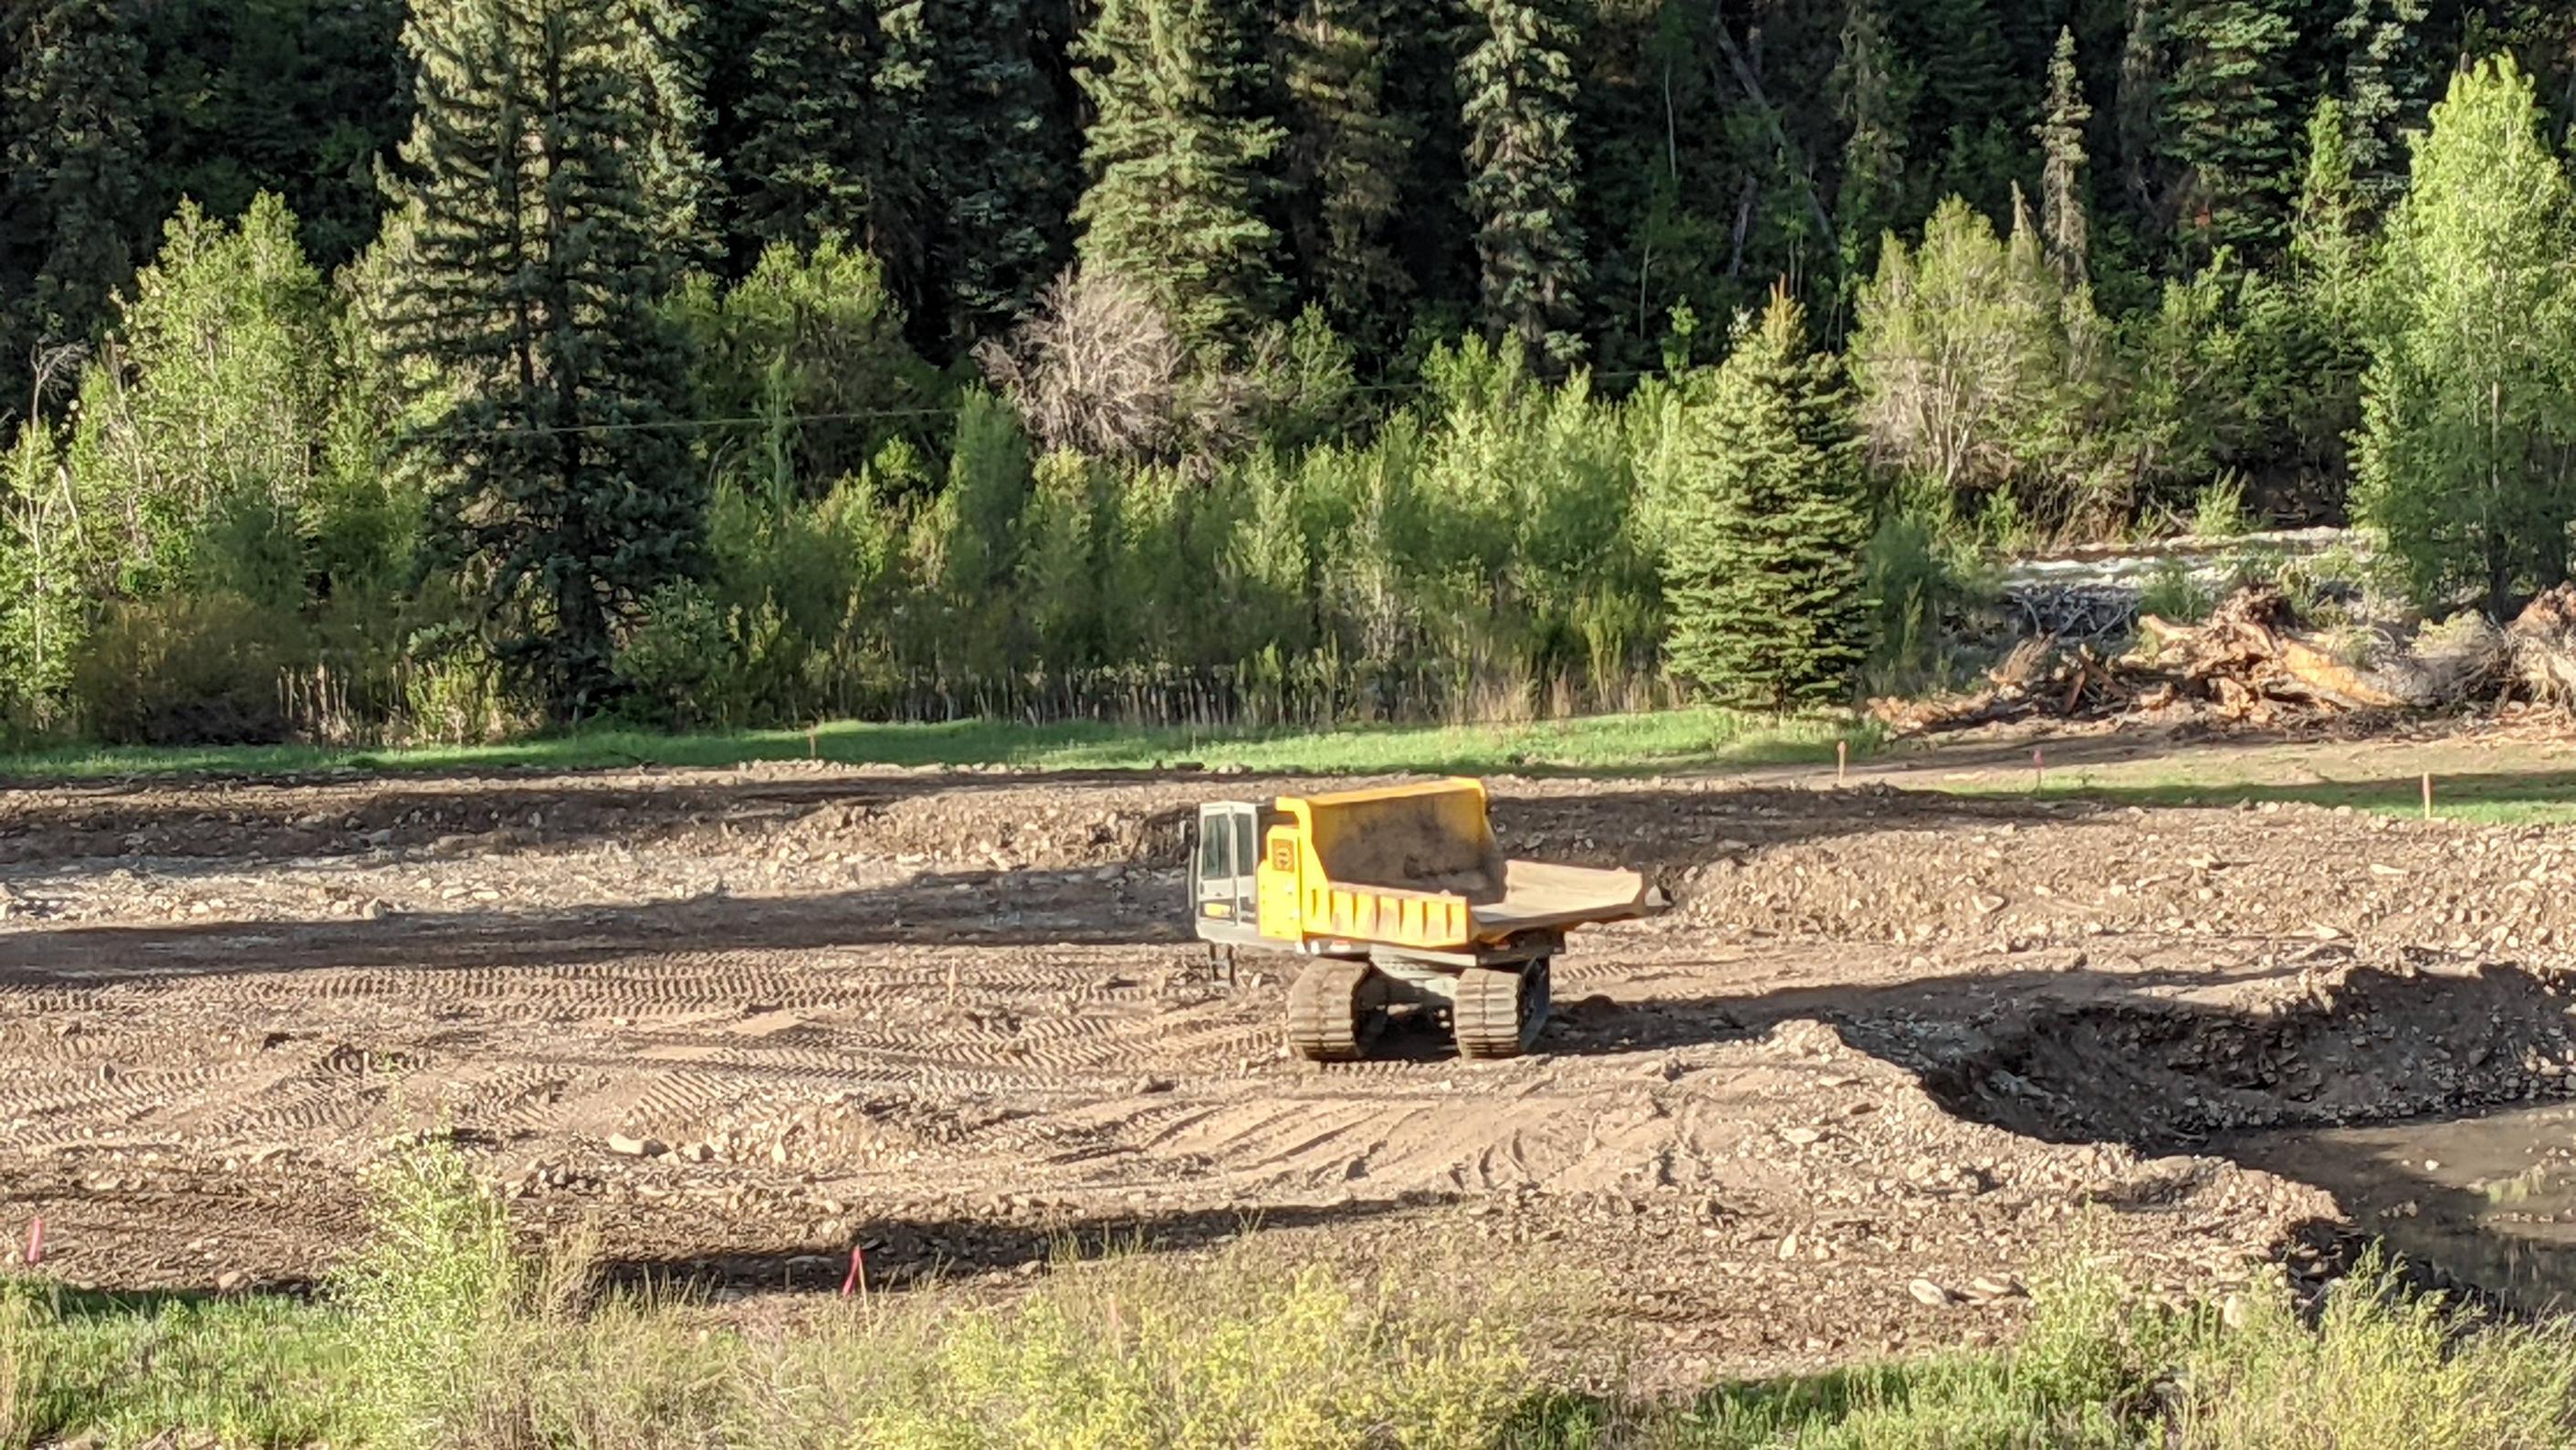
(1891, 1052)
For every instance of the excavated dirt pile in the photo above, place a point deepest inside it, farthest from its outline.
(1891, 1055)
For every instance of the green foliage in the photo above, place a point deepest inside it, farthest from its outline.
(816, 158)
(808, 588)
(512, 417)
(254, 1370)
(452, 690)
(71, 94)
(1177, 156)
(437, 1303)
(212, 407)
(1978, 371)
(2229, 123)
(1917, 576)
(2468, 453)
(2065, 226)
(529, 267)
(674, 663)
(441, 1334)
(2174, 592)
(991, 163)
(1518, 89)
(1764, 531)
(1266, 1361)
(1348, 153)
(2386, 88)
(184, 669)
(45, 586)
(2219, 512)
(296, 98)
(805, 365)
(1874, 90)
(2379, 1371)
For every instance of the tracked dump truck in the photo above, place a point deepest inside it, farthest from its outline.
(1400, 900)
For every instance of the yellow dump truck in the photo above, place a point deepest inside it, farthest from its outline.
(1401, 900)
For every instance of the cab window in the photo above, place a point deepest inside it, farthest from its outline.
(1215, 864)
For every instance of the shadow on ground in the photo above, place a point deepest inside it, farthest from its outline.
(2364, 1090)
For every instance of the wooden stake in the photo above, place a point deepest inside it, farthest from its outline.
(813, 743)
(1842, 761)
(2038, 769)
(2428, 795)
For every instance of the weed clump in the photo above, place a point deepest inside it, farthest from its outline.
(444, 1334)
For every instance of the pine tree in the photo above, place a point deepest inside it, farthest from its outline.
(2228, 124)
(1348, 163)
(813, 156)
(2061, 176)
(2467, 458)
(1517, 86)
(2329, 280)
(527, 307)
(990, 162)
(294, 97)
(1765, 527)
(2140, 101)
(71, 98)
(1966, 120)
(2327, 247)
(1176, 154)
(1873, 93)
(2386, 83)
(668, 56)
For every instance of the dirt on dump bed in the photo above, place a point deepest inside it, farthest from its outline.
(1891, 1055)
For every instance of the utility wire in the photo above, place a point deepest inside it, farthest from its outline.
(851, 415)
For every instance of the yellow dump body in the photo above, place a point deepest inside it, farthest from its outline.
(1416, 866)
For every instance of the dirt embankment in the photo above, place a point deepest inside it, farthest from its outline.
(1890, 1054)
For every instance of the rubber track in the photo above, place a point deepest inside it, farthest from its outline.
(1324, 1012)
(1486, 1018)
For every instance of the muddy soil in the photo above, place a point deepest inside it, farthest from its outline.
(1891, 1053)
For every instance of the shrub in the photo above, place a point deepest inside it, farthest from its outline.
(1916, 580)
(437, 1303)
(1096, 368)
(677, 660)
(452, 688)
(2173, 592)
(2219, 512)
(185, 670)
(811, 346)
(2381, 1370)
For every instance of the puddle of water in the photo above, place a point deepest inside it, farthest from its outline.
(2490, 1201)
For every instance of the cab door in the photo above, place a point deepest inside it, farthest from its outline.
(1222, 867)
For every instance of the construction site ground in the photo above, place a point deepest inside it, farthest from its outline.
(1893, 1050)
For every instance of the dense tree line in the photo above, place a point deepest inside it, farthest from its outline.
(470, 359)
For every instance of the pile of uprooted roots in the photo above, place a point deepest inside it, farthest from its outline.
(2253, 660)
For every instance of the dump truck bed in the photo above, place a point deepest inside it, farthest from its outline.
(1537, 894)
(1418, 867)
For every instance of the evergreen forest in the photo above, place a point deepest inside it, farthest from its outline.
(452, 368)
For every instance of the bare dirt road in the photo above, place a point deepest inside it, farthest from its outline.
(1890, 1053)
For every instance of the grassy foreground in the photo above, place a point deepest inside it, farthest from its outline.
(439, 1335)
(1659, 740)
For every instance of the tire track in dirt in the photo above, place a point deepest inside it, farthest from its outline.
(956, 1014)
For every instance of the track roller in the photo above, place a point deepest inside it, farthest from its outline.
(1499, 1011)
(1335, 1010)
